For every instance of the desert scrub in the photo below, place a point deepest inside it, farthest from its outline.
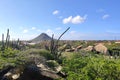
(9, 52)
(8, 57)
(40, 52)
(15, 58)
(92, 68)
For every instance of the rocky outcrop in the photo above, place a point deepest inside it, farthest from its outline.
(69, 50)
(101, 48)
(89, 48)
(78, 48)
(32, 72)
(49, 71)
(64, 47)
(4, 71)
(35, 67)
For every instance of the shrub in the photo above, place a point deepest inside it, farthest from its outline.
(92, 68)
(40, 52)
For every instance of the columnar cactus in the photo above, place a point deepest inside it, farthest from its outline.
(54, 45)
(3, 44)
(7, 39)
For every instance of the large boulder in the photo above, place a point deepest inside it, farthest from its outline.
(13, 74)
(5, 71)
(32, 72)
(101, 48)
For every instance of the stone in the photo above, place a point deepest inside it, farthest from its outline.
(101, 48)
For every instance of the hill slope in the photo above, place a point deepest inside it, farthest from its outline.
(41, 37)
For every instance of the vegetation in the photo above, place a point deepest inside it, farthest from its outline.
(79, 65)
(54, 46)
(91, 67)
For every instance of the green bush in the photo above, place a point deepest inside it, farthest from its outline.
(39, 52)
(8, 57)
(15, 58)
(92, 68)
(9, 52)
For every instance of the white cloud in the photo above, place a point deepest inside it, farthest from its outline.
(78, 19)
(33, 28)
(55, 12)
(67, 20)
(74, 20)
(25, 31)
(105, 16)
(58, 28)
(49, 31)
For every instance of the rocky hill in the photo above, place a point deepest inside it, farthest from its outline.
(41, 37)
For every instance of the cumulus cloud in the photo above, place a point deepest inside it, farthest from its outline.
(55, 12)
(67, 20)
(25, 31)
(105, 16)
(74, 20)
(49, 31)
(33, 28)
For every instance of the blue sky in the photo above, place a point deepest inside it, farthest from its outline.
(87, 19)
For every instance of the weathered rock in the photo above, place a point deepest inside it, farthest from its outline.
(32, 72)
(43, 66)
(52, 64)
(4, 71)
(14, 73)
(78, 48)
(64, 47)
(101, 48)
(69, 50)
(15, 76)
(89, 48)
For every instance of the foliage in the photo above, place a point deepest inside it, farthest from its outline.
(8, 57)
(95, 67)
(113, 45)
(16, 58)
(9, 52)
(114, 50)
(40, 52)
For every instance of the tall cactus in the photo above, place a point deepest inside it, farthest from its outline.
(18, 41)
(54, 45)
(7, 39)
(18, 44)
(3, 44)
